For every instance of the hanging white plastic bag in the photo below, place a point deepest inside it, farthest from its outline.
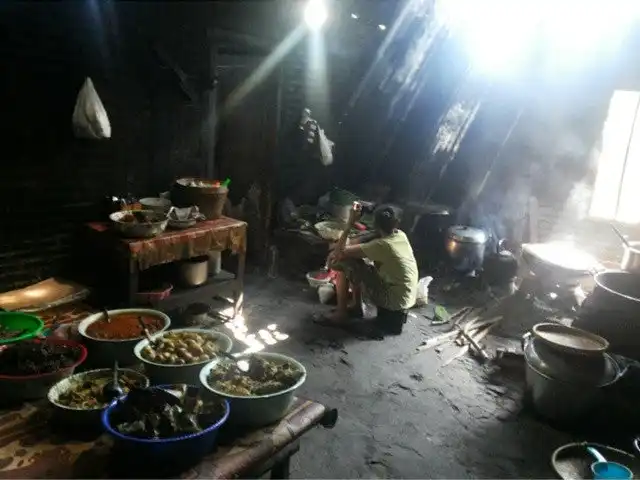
(326, 146)
(90, 119)
(422, 297)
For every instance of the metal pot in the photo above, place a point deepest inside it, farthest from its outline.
(611, 310)
(194, 271)
(561, 399)
(631, 258)
(465, 246)
(616, 291)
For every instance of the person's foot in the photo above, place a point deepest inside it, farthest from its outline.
(337, 318)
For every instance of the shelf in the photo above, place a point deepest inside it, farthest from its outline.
(185, 295)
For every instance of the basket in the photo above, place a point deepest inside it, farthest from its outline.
(209, 200)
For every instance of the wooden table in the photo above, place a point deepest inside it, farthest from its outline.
(29, 448)
(136, 255)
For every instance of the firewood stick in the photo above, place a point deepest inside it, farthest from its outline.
(460, 353)
(437, 340)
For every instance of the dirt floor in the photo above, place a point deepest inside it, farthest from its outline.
(400, 413)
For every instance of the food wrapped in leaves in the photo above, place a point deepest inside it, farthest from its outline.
(155, 413)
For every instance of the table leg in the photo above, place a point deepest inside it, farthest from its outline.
(133, 283)
(282, 469)
(238, 293)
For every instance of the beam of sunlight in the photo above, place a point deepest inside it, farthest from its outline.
(263, 70)
(253, 342)
(475, 193)
(389, 38)
(317, 81)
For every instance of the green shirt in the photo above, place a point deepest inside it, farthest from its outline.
(396, 265)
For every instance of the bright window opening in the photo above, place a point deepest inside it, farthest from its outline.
(616, 194)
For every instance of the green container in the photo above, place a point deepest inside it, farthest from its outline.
(31, 325)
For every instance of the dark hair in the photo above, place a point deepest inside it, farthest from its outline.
(386, 218)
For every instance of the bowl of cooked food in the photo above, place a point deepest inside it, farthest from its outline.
(111, 336)
(177, 356)
(330, 230)
(16, 326)
(165, 425)
(260, 386)
(139, 223)
(29, 368)
(79, 400)
(157, 204)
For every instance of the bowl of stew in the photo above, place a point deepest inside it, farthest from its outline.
(113, 339)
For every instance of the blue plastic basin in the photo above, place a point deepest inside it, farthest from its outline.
(166, 450)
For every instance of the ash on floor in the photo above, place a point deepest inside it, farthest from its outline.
(402, 415)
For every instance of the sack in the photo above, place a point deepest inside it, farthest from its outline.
(422, 297)
(89, 116)
(326, 146)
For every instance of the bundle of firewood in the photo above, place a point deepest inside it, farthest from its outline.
(470, 326)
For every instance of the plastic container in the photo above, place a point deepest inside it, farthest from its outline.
(86, 418)
(166, 451)
(31, 324)
(161, 373)
(32, 387)
(260, 410)
(104, 352)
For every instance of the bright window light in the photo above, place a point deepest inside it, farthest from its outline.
(500, 34)
(316, 14)
(616, 195)
(382, 27)
(354, 16)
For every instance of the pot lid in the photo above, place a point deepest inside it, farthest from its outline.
(462, 233)
(583, 370)
(570, 339)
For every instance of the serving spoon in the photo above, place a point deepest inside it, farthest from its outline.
(113, 390)
(145, 330)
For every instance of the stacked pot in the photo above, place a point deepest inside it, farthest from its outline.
(567, 370)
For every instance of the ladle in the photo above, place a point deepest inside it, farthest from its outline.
(106, 314)
(622, 237)
(146, 332)
(240, 364)
(603, 469)
(113, 390)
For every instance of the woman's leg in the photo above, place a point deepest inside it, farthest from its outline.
(342, 297)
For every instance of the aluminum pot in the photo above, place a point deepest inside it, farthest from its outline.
(465, 247)
(194, 271)
(631, 258)
(563, 400)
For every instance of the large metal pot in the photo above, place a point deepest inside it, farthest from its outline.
(465, 246)
(631, 258)
(616, 291)
(612, 310)
(560, 399)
